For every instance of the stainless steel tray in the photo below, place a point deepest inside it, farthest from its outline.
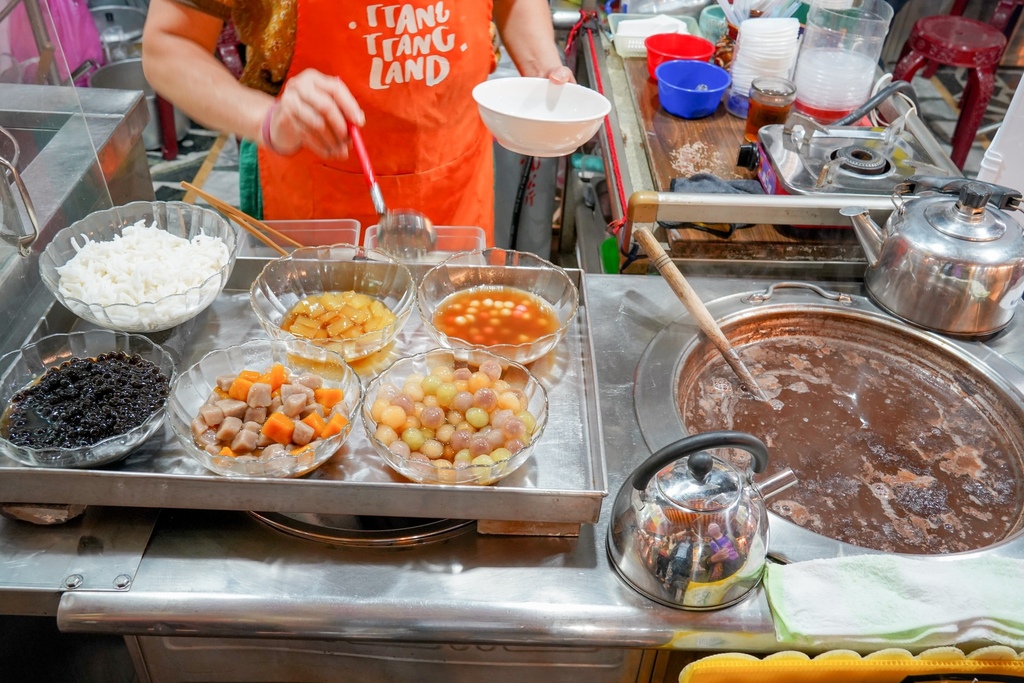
(559, 488)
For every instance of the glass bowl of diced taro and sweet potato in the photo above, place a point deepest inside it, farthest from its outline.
(266, 408)
(349, 299)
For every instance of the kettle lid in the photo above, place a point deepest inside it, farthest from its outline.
(973, 212)
(700, 483)
(966, 216)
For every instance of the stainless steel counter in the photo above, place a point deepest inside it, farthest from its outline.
(222, 578)
(224, 574)
(85, 153)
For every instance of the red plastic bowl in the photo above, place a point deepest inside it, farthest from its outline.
(664, 47)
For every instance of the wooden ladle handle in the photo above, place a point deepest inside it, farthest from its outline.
(694, 306)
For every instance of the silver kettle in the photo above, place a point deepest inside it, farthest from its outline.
(690, 530)
(950, 260)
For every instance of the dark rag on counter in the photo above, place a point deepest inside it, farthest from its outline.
(708, 183)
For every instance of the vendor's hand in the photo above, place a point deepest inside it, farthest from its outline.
(312, 112)
(560, 75)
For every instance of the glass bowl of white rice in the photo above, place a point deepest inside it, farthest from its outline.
(141, 267)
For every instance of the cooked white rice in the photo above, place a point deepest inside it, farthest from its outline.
(144, 264)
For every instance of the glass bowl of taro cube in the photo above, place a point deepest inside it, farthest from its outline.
(266, 408)
(510, 303)
(455, 416)
(348, 299)
(82, 399)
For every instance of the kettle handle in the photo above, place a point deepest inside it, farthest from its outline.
(643, 474)
(1002, 197)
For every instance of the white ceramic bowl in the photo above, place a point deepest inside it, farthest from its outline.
(535, 117)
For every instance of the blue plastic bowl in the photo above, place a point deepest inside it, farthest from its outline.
(691, 89)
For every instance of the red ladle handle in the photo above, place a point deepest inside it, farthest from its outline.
(364, 158)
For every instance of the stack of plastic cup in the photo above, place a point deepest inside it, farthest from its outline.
(841, 46)
(764, 47)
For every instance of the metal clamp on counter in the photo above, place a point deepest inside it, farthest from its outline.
(645, 207)
(12, 229)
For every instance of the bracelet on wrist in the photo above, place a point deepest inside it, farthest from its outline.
(265, 129)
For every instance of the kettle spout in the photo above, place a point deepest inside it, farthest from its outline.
(868, 233)
(777, 483)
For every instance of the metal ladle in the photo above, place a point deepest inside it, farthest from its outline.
(405, 233)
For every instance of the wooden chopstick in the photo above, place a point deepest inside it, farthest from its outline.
(260, 236)
(257, 228)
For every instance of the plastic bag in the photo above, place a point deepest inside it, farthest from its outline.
(72, 31)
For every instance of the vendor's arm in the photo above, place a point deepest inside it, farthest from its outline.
(180, 64)
(528, 35)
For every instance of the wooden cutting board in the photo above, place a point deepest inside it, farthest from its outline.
(678, 148)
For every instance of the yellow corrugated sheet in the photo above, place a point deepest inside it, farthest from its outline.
(846, 666)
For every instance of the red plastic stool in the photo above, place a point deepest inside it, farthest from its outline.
(1000, 16)
(957, 41)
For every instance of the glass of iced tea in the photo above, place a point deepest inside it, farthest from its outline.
(771, 99)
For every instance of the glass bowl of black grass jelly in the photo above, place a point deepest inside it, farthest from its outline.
(82, 399)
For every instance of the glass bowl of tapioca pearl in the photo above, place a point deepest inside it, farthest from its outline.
(455, 416)
(511, 303)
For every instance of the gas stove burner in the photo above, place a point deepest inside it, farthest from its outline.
(862, 160)
(364, 531)
(851, 160)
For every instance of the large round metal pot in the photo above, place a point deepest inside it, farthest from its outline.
(901, 440)
(128, 75)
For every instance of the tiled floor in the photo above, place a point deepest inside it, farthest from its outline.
(222, 181)
(939, 95)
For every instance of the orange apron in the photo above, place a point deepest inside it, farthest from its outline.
(412, 66)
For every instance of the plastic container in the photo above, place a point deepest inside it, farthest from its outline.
(667, 6)
(450, 239)
(630, 42)
(629, 38)
(838, 57)
(665, 47)
(1003, 164)
(308, 232)
(691, 89)
(764, 47)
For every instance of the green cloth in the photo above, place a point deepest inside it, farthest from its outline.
(888, 600)
(250, 195)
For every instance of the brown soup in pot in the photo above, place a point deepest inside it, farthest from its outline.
(897, 450)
